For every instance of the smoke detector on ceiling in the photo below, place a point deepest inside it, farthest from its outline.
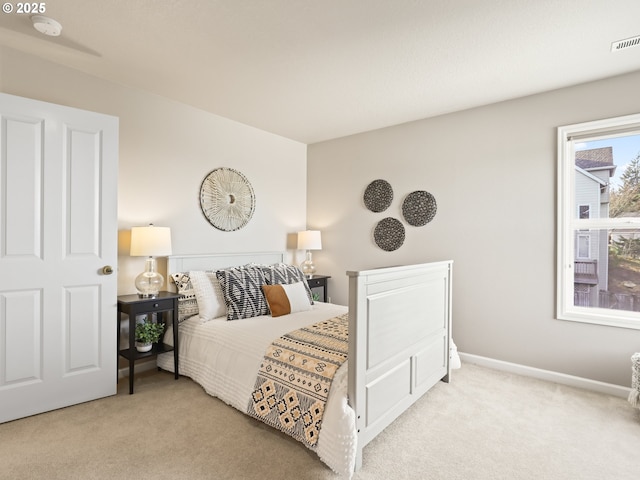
(46, 25)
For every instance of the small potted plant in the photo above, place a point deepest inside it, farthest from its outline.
(148, 333)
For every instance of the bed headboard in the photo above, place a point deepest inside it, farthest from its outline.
(214, 261)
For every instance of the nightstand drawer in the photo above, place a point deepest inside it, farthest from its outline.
(159, 305)
(316, 282)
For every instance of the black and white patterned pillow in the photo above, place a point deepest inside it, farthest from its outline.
(242, 291)
(187, 305)
(282, 273)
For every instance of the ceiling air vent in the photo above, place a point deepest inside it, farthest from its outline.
(626, 43)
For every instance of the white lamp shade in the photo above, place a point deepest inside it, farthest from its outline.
(309, 240)
(150, 241)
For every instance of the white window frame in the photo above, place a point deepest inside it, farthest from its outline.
(569, 222)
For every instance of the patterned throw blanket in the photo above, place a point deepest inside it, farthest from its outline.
(295, 377)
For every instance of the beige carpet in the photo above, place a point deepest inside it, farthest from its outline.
(485, 425)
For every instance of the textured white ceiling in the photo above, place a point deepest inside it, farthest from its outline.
(312, 70)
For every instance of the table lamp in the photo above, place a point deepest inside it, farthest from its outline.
(309, 240)
(150, 242)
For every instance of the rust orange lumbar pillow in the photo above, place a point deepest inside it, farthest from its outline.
(286, 299)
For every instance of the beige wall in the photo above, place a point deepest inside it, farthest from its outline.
(492, 171)
(166, 149)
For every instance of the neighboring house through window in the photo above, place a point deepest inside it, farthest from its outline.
(599, 222)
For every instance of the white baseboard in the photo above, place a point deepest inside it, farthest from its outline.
(548, 375)
(140, 367)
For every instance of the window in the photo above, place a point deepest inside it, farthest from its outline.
(582, 250)
(583, 211)
(599, 222)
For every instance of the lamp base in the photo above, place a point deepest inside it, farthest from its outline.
(148, 295)
(149, 282)
(307, 267)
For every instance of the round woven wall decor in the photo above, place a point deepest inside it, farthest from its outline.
(389, 234)
(226, 199)
(378, 195)
(419, 208)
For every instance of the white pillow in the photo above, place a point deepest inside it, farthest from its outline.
(297, 295)
(208, 295)
(284, 299)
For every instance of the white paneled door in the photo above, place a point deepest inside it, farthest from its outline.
(58, 239)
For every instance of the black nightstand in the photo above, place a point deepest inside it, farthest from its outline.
(318, 285)
(165, 307)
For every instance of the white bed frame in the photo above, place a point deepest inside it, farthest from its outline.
(399, 333)
(399, 341)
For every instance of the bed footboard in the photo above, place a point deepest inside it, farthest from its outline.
(399, 340)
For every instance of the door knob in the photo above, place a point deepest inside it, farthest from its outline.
(107, 270)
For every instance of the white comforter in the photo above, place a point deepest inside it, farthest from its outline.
(224, 358)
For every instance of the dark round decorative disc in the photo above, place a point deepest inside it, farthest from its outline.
(419, 208)
(389, 234)
(378, 195)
